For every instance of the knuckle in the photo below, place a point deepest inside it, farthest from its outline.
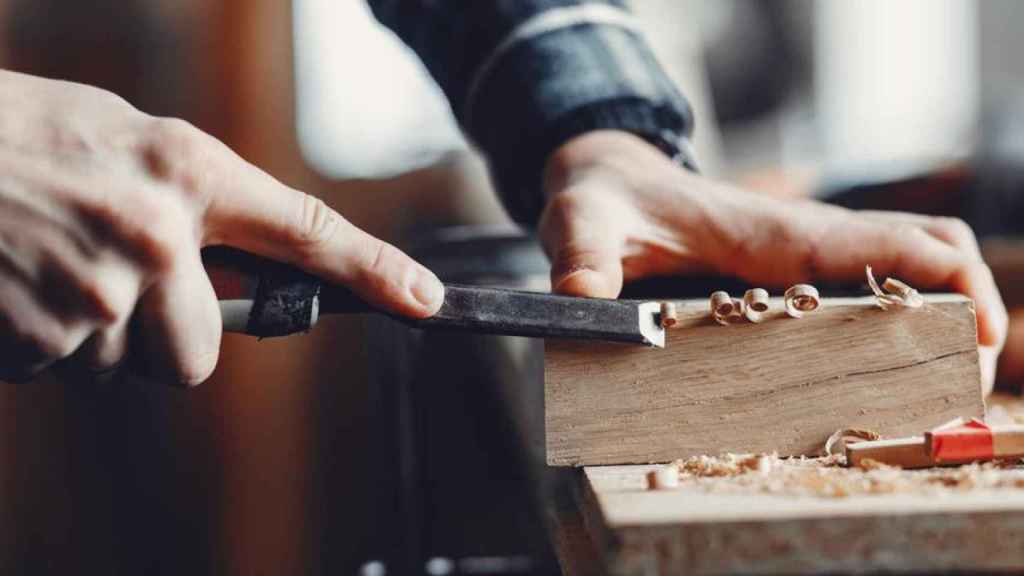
(380, 260)
(174, 151)
(811, 260)
(904, 232)
(317, 224)
(163, 230)
(174, 134)
(100, 97)
(902, 243)
(957, 230)
(100, 299)
(112, 98)
(793, 242)
(158, 249)
(149, 231)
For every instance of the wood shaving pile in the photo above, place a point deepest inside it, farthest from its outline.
(826, 477)
(726, 465)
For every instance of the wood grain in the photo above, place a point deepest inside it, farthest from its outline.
(687, 531)
(782, 385)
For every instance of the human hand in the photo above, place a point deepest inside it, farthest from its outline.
(619, 210)
(103, 212)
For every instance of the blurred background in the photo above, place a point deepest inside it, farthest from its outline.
(361, 448)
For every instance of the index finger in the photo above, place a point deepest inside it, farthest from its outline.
(251, 210)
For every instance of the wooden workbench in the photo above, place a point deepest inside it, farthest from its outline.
(939, 520)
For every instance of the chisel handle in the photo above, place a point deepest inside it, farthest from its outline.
(264, 298)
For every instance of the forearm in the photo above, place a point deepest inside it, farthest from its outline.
(524, 77)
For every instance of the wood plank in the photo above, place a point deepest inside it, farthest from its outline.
(782, 385)
(691, 531)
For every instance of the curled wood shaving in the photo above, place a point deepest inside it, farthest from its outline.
(896, 293)
(800, 299)
(755, 303)
(843, 436)
(721, 306)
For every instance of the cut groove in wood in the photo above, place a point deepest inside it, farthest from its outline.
(780, 385)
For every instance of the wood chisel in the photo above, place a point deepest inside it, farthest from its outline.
(265, 298)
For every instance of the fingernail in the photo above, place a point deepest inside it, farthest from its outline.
(428, 290)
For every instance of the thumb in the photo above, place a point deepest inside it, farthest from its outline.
(585, 247)
(593, 270)
(251, 210)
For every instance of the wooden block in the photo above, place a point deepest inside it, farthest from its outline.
(781, 385)
(689, 531)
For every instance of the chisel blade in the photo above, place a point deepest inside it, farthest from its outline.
(535, 314)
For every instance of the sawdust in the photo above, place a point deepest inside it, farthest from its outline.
(827, 477)
(872, 464)
(726, 465)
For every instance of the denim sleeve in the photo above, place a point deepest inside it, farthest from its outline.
(525, 76)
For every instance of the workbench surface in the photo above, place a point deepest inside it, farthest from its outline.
(799, 516)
